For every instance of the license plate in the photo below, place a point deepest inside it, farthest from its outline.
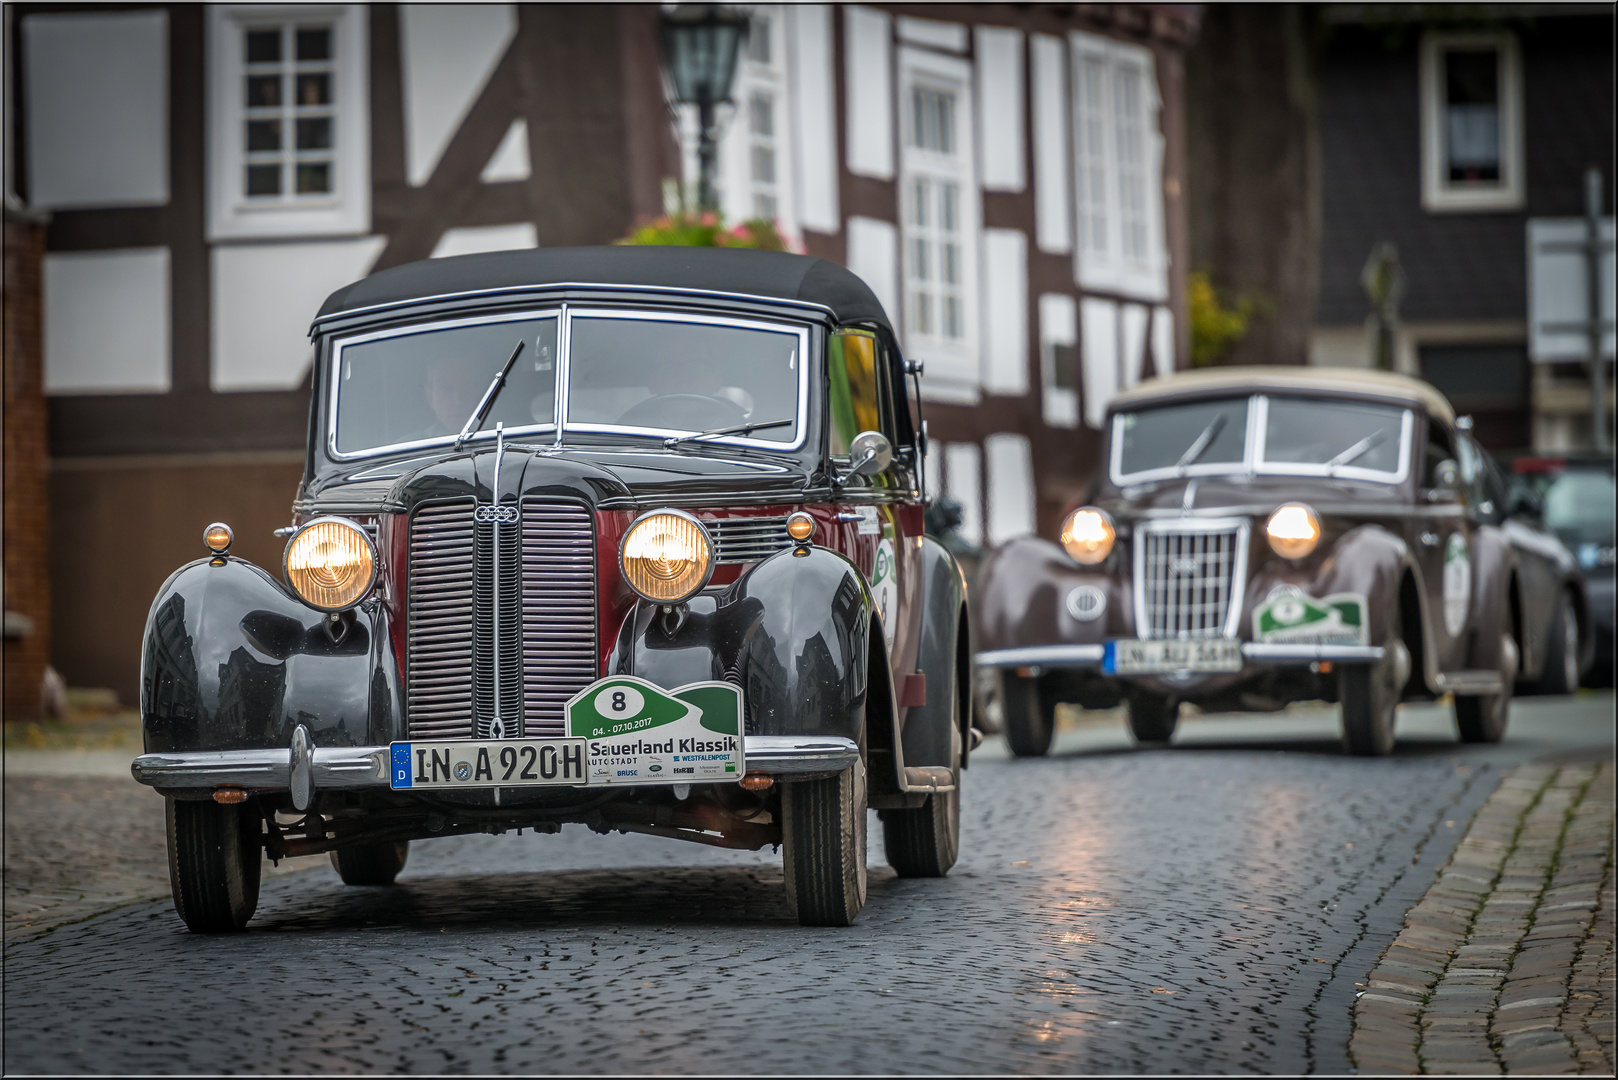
(1131, 657)
(486, 763)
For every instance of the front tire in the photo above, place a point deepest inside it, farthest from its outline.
(1481, 718)
(823, 841)
(1030, 718)
(926, 840)
(371, 864)
(1561, 671)
(214, 863)
(1153, 718)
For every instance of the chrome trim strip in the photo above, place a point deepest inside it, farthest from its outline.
(519, 289)
(798, 753)
(1376, 509)
(1036, 655)
(1301, 654)
(367, 766)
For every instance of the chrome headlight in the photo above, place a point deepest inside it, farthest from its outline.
(330, 563)
(1088, 535)
(666, 556)
(1294, 530)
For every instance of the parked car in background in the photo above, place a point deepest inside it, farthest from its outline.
(664, 573)
(1574, 498)
(1268, 535)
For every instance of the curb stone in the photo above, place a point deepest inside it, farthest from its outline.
(1506, 964)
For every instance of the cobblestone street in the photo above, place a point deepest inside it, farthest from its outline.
(1216, 906)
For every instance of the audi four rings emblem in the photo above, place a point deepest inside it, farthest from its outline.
(504, 514)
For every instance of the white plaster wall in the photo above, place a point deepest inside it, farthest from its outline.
(1000, 108)
(1053, 221)
(97, 100)
(510, 160)
(264, 298)
(1163, 340)
(1058, 325)
(106, 321)
(472, 240)
(1005, 311)
(449, 52)
(868, 83)
(1099, 356)
(1010, 465)
(809, 36)
(873, 255)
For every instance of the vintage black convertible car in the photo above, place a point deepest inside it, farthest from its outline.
(627, 537)
(1268, 535)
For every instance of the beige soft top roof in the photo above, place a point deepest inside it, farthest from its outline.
(1320, 380)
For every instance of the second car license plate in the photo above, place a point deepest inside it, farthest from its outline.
(1130, 657)
(486, 763)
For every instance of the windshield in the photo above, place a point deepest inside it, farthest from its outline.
(1207, 436)
(1580, 508)
(666, 375)
(1344, 436)
(421, 387)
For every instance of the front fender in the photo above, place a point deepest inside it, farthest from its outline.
(1023, 589)
(233, 661)
(927, 735)
(793, 631)
(1367, 560)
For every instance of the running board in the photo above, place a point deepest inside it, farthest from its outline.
(1470, 683)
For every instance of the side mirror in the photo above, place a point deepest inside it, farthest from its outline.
(870, 453)
(1446, 482)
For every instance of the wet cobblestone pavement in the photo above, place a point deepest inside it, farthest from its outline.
(1206, 908)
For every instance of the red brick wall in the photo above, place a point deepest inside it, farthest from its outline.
(26, 516)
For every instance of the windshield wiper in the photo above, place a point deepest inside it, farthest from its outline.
(1359, 448)
(739, 429)
(489, 395)
(1195, 450)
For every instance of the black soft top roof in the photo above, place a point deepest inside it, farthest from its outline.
(775, 275)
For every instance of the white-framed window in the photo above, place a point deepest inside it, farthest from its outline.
(1471, 122)
(1118, 168)
(755, 154)
(289, 121)
(939, 216)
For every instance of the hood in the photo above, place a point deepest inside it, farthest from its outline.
(1250, 495)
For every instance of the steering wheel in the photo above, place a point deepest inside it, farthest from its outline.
(691, 412)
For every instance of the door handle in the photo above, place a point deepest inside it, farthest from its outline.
(1430, 539)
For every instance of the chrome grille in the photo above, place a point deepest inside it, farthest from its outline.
(548, 619)
(438, 687)
(508, 708)
(558, 611)
(1186, 579)
(745, 540)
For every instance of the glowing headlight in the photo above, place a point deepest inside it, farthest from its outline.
(666, 556)
(1088, 534)
(1294, 530)
(330, 564)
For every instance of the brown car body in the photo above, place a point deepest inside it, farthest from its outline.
(1385, 540)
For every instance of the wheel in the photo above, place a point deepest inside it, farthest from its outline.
(924, 841)
(214, 863)
(1030, 719)
(371, 864)
(1560, 674)
(1481, 718)
(823, 840)
(1153, 717)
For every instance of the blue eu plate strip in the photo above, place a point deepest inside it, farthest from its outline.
(1109, 660)
(401, 765)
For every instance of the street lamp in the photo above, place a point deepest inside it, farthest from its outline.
(700, 42)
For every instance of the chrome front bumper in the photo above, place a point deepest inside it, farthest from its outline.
(1088, 656)
(302, 769)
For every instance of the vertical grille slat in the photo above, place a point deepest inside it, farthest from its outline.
(548, 649)
(1188, 581)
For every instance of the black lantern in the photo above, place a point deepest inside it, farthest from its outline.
(700, 43)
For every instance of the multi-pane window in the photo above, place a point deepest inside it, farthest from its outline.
(759, 49)
(1117, 168)
(290, 117)
(761, 129)
(935, 258)
(1471, 122)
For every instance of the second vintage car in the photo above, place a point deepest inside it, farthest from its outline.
(627, 537)
(1268, 535)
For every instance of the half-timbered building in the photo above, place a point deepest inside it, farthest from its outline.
(1008, 178)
